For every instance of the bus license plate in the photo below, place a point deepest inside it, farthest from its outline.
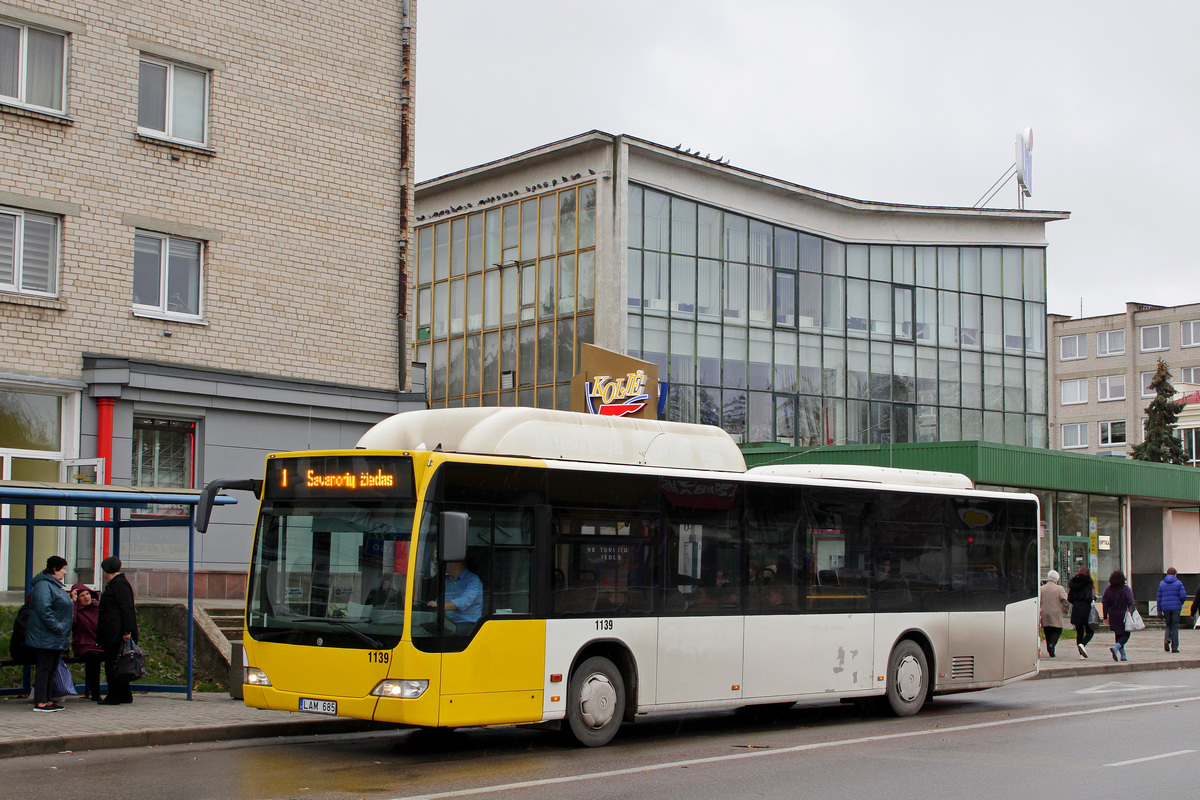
(318, 706)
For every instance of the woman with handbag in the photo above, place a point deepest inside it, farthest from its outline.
(1081, 595)
(1117, 600)
(118, 624)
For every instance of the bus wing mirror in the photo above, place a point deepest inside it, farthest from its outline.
(453, 526)
(209, 494)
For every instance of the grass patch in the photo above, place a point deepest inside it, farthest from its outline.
(166, 658)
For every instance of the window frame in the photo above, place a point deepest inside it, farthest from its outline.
(1081, 383)
(168, 112)
(1189, 333)
(1081, 429)
(1164, 335)
(1106, 351)
(1147, 389)
(21, 99)
(1108, 441)
(1080, 346)
(161, 310)
(1104, 386)
(19, 215)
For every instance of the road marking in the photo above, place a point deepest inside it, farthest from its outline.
(1117, 686)
(1149, 758)
(885, 737)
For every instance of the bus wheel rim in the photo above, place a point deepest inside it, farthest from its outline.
(909, 679)
(597, 701)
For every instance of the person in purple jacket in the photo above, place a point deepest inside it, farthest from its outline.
(83, 638)
(1171, 597)
(1117, 599)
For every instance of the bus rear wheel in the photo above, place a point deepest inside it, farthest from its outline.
(907, 679)
(595, 702)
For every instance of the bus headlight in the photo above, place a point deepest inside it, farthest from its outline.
(255, 677)
(407, 690)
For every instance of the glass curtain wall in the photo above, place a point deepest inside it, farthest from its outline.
(781, 336)
(504, 297)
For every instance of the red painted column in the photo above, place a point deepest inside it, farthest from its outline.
(104, 448)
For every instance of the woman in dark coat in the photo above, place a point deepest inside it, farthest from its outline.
(84, 639)
(1081, 594)
(118, 624)
(49, 631)
(1118, 598)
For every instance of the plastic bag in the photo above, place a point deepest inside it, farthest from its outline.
(1093, 616)
(62, 684)
(131, 663)
(1133, 620)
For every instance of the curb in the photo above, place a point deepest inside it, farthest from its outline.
(167, 736)
(1117, 668)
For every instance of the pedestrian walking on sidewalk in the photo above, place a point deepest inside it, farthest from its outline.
(1052, 599)
(84, 641)
(1171, 597)
(1081, 594)
(118, 624)
(49, 631)
(1117, 599)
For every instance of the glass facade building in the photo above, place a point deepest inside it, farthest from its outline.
(776, 334)
(777, 312)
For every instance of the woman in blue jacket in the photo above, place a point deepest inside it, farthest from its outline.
(49, 633)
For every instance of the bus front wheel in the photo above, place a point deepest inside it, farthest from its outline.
(907, 679)
(595, 702)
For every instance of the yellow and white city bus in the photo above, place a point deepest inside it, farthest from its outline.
(500, 566)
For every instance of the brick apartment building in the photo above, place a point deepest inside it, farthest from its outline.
(1100, 372)
(203, 226)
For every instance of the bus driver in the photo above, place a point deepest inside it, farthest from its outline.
(464, 594)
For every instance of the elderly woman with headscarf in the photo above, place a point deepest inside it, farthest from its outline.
(84, 641)
(1053, 601)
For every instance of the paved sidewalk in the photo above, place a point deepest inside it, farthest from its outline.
(161, 719)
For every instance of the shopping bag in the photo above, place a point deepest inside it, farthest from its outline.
(63, 685)
(131, 662)
(1133, 620)
(1093, 616)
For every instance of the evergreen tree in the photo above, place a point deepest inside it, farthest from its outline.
(1161, 445)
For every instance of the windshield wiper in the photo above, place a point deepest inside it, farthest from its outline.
(375, 643)
(275, 634)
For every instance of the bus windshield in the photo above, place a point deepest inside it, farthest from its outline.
(330, 562)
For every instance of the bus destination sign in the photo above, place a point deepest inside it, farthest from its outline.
(323, 476)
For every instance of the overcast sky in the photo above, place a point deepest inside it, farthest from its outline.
(905, 102)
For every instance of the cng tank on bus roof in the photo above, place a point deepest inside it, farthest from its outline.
(565, 435)
(866, 474)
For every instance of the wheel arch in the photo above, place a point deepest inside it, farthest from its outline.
(622, 658)
(922, 640)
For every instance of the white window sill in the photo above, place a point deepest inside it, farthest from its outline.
(163, 316)
(1073, 358)
(1109, 355)
(1156, 350)
(48, 115)
(1110, 399)
(1074, 403)
(157, 138)
(1075, 447)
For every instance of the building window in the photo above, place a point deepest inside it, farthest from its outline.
(1189, 375)
(164, 456)
(1110, 387)
(1156, 337)
(32, 66)
(1147, 389)
(172, 101)
(1190, 333)
(28, 252)
(1110, 343)
(1071, 348)
(166, 274)
(1191, 439)
(1112, 432)
(1074, 435)
(1074, 391)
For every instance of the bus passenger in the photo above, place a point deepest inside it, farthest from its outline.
(464, 594)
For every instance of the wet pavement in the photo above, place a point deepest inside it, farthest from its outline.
(162, 719)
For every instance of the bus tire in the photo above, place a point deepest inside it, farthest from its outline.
(907, 679)
(595, 702)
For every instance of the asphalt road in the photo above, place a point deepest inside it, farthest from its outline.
(1127, 736)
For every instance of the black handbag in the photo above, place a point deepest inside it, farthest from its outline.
(131, 662)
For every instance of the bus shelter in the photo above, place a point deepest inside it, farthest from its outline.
(119, 502)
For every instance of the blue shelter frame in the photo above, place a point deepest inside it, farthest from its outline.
(117, 499)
